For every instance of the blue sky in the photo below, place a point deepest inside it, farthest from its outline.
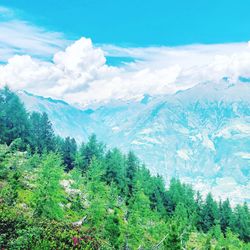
(92, 51)
(141, 22)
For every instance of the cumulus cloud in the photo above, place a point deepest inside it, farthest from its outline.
(80, 74)
(46, 63)
(70, 71)
(79, 64)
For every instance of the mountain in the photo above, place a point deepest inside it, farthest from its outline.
(66, 119)
(201, 135)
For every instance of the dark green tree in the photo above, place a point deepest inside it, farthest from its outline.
(42, 136)
(13, 118)
(115, 168)
(182, 193)
(198, 212)
(154, 188)
(91, 149)
(225, 215)
(210, 213)
(69, 150)
(132, 165)
(241, 222)
(47, 133)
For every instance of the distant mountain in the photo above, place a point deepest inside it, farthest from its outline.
(201, 135)
(66, 119)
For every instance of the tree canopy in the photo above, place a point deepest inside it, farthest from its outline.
(55, 194)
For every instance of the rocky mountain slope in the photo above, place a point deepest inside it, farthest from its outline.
(201, 135)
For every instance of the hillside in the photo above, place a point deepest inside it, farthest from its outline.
(200, 135)
(57, 195)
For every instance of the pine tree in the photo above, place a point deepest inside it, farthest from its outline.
(69, 149)
(140, 218)
(123, 205)
(225, 215)
(48, 193)
(47, 133)
(210, 213)
(115, 168)
(132, 165)
(97, 197)
(231, 241)
(114, 224)
(42, 136)
(179, 228)
(241, 222)
(13, 118)
(198, 212)
(154, 188)
(92, 149)
(36, 137)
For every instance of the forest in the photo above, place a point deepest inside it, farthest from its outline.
(56, 194)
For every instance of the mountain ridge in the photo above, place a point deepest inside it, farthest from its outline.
(201, 135)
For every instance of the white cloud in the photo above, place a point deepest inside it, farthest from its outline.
(79, 64)
(69, 72)
(79, 73)
(21, 37)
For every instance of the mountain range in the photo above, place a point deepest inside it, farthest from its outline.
(200, 135)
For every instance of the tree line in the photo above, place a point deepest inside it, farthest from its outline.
(49, 183)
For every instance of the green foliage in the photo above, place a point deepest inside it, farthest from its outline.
(69, 149)
(210, 213)
(179, 228)
(42, 136)
(87, 152)
(4, 151)
(241, 222)
(20, 232)
(48, 193)
(17, 144)
(11, 222)
(13, 118)
(115, 169)
(132, 165)
(226, 215)
(103, 199)
(97, 194)
(10, 191)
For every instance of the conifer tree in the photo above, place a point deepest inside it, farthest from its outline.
(42, 136)
(92, 149)
(69, 149)
(132, 165)
(198, 212)
(13, 118)
(108, 201)
(139, 218)
(179, 228)
(241, 222)
(48, 192)
(115, 168)
(225, 215)
(47, 133)
(210, 213)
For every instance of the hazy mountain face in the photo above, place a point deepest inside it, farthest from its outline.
(201, 135)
